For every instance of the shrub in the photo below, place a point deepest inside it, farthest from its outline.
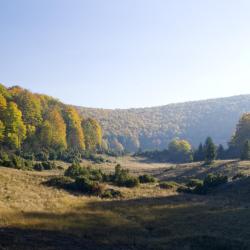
(211, 181)
(147, 179)
(168, 185)
(239, 176)
(214, 180)
(14, 161)
(111, 193)
(38, 166)
(194, 183)
(122, 178)
(75, 170)
(61, 182)
(42, 156)
(86, 186)
(72, 156)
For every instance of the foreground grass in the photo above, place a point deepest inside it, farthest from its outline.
(34, 216)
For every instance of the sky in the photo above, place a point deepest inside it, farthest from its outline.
(126, 53)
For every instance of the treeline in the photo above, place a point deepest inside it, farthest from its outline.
(39, 126)
(181, 151)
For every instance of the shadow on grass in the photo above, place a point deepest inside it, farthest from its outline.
(177, 222)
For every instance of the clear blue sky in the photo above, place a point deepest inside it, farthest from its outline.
(126, 53)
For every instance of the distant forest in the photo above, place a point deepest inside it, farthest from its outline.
(153, 128)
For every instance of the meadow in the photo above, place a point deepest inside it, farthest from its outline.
(35, 216)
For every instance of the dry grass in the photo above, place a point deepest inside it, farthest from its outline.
(146, 218)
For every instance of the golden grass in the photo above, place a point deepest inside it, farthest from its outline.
(146, 215)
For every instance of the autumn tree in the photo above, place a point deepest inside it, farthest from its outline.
(31, 109)
(3, 106)
(93, 134)
(53, 131)
(15, 131)
(2, 130)
(180, 151)
(75, 135)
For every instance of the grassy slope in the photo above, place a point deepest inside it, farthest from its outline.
(34, 216)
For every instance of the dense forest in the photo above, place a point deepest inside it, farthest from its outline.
(40, 126)
(153, 128)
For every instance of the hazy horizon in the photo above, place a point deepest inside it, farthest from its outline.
(132, 54)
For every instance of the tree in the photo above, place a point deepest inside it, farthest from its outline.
(53, 131)
(199, 153)
(3, 106)
(93, 134)
(221, 152)
(30, 106)
(180, 151)
(242, 134)
(75, 136)
(210, 150)
(2, 130)
(15, 131)
(245, 154)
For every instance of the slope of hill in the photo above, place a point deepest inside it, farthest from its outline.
(153, 128)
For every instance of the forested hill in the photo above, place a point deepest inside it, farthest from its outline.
(153, 128)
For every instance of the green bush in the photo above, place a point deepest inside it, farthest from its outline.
(122, 178)
(214, 180)
(14, 161)
(61, 182)
(86, 186)
(146, 178)
(111, 194)
(194, 183)
(210, 182)
(168, 185)
(75, 170)
(239, 176)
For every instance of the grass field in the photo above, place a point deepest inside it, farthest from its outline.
(35, 216)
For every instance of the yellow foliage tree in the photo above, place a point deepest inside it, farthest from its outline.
(93, 134)
(53, 131)
(15, 131)
(75, 135)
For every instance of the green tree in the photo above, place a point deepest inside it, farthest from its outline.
(75, 136)
(241, 134)
(15, 131)
(245, 154)
(180, 151)
(199, 153)
(210, 150)
(93, 134)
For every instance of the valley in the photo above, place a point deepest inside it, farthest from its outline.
(35, 216)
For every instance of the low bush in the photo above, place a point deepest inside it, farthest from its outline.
(14, 161)
(111, 194)
(122, 178)
(194, 183)
(93, 157)
(45, 165)
(210, 182)
(75, 170)
(168, 185)
(86, 186)
(146, 178)
(239, 176)
(61, 182)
